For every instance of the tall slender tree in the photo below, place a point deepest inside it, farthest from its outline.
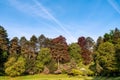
(43, 41)
(3, 48)
(89, 44)
(99, 41)
(116, 35)
(22, 41)
(33, 44)
(14, 48)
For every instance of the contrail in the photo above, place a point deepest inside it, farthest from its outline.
(37, 10)
(54, 19)
(32, 10)
(114, 5)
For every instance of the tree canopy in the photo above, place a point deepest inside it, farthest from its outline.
(53, 55)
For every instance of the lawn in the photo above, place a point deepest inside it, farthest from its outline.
(55, 77)
(45, 77)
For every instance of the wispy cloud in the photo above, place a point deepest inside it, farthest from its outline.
(55, 20)
(29, 9)
(115, 5)
(36, 9)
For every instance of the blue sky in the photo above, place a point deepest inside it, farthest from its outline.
(70, 18)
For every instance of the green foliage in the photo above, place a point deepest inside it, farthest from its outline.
(116, 35)
(117, 50)
(106, 57)
(99, 41)
(10, 62)
(3, 48)
(3, 39)
(43, 58)
(75, 51)
(14, 48)
(15, 68)
(82, 72)
(52, 66)
(107, 37)
(5, 54)
(39, 66)
(85, 68)
(43, 41)
(55, 53)
(76, 72)
(30, 66)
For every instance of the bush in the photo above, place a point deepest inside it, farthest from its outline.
(90, 73)
(16, 68)
(10, 62)
(39, 66)
(52, 66)
(76, 72)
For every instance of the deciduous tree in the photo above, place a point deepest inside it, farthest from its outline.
(75, 52)
(59, 50)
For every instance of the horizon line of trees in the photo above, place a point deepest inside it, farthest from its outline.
(46, 55)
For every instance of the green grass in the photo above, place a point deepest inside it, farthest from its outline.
(45, 77)
(56, 77)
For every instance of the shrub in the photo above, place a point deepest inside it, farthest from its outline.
(52, 66)
(76, 72)
(16, 68)
(39, 66)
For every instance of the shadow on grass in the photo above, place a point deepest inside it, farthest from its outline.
(105, 78)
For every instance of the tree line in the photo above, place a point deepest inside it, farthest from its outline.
(46, 55)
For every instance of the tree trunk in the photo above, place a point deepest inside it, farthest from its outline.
(58, 65)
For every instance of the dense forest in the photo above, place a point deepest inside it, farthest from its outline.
(55, 56)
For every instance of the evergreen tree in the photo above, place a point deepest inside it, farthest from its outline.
(106, 58)
(99, 41)
(3, 48)
(117, 51)
(116, 35)
(22, 41)
(14, 48)
(33, 44)
(44, 42)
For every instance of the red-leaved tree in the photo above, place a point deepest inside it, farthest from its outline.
(86, 46)
(59, 50)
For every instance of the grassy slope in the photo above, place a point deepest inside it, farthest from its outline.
(55, 77)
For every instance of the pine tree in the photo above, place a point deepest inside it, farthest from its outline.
(14, 48)
(3, 48)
